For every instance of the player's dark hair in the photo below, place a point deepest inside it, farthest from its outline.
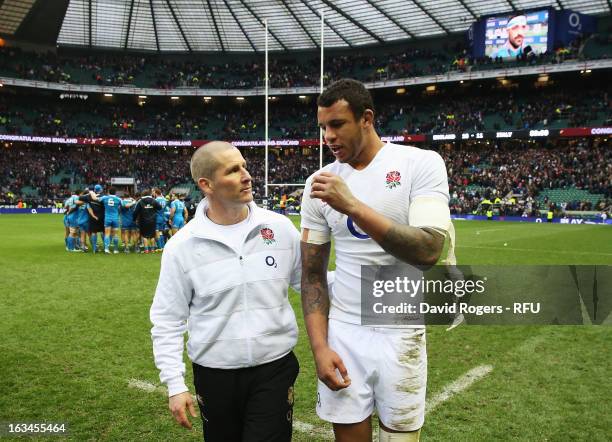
(112, 190)
(145, 192)
(354, 92)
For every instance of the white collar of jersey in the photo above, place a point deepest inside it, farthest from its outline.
(198, 225)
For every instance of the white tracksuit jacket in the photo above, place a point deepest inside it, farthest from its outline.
(233, 302)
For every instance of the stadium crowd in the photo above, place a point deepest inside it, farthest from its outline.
(198, 71)
(294, 119)
(522, 173)
(517, 175)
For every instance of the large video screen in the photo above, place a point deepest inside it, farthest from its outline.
(511, 35)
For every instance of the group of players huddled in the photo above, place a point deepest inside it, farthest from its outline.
(146, 220)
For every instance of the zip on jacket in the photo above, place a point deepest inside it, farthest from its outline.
(232, 302)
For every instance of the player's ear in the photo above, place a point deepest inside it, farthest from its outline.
(368, 118)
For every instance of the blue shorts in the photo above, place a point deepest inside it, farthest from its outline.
(178, 224)
(72, 222)
(84, 226)
(128, 226)
(161, 226)
(112, 223)
(66, 221)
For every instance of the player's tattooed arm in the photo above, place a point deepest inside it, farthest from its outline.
(315, 297)
(315, 304)
(413, 245)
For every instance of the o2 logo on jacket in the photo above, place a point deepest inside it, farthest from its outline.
(353, 229)
(271, 262)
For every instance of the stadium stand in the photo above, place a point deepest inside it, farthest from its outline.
(157, 72)
(575, 176)
(572, 176)
(480, 108)
(431, 57)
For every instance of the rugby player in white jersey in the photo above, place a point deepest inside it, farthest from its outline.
(383, 204)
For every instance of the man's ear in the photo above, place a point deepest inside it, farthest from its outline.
(205, 185)
(368, 118)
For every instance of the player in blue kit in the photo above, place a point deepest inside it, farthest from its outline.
(128, 228)
(66, 226)
(83, 221)
(112, 206)
(178, 214)
(72, 222)
(160, 222)
(167, 231)
(516, 29)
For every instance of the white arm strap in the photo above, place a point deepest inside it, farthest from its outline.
(315, 236)
(434, 213)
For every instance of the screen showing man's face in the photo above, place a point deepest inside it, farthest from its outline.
(516, 34)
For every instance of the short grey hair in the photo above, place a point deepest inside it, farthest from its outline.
(204, 161)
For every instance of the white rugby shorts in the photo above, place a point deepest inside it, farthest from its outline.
(388, 371)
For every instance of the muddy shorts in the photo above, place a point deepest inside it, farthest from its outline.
(388, 372)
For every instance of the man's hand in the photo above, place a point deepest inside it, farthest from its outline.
(177, 405)
(333, 190)
(327, 362)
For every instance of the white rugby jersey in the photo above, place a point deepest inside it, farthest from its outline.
(396, 176)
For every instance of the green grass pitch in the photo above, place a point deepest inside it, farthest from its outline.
(75, 332)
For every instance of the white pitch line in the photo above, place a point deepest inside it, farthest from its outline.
(143, 385)
(532, 250)
(458, 386)
(306, 428)
(150, 388)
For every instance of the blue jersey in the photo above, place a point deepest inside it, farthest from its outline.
(112, 205)
(65, 206)
(167, 213)
(160, 213)
(71, 205)
(178, 207)
(505, 52)
(83, 214)
(127, 213)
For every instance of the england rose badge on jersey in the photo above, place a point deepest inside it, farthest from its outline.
(267, 235)
(393, 179)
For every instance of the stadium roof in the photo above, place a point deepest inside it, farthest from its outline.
(238, 25)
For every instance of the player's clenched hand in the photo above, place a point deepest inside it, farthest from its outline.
(333, 190)
(177, 405)
(327, 362)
